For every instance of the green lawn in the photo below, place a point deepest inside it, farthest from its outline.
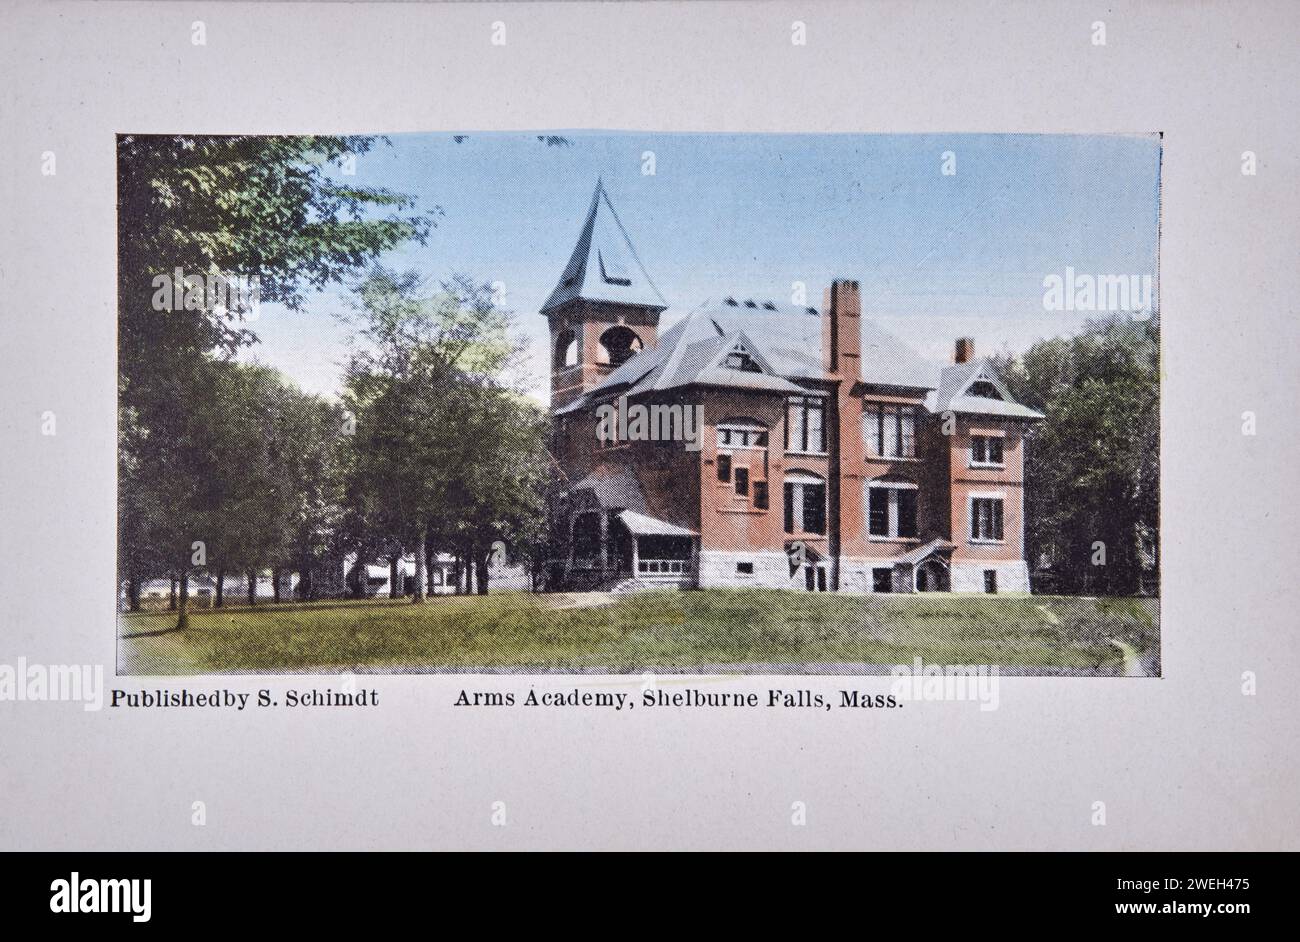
(661, 630)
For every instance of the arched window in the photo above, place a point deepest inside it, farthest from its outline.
(566, 349)
(805, 502)
(618, 345)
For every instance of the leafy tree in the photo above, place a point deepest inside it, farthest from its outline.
(436, 417)
(259, 207)
(1092, 474)
(307, 444)
(501, 483)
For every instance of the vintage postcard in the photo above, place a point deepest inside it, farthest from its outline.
(606, 402)
(648, 426)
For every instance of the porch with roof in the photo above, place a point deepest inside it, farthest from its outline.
(613, 538)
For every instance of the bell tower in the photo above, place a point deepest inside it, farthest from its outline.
(605, 308)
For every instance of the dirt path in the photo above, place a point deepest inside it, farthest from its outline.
(1132, 663)
(583, 600)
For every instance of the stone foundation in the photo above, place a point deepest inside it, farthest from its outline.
(856, 575)
(718, 570)
(968, 576)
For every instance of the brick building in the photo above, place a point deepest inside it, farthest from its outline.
(768, 444)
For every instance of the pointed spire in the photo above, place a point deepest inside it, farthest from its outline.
(604, 265)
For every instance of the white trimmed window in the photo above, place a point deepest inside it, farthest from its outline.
(805, 503)
(985, 512)
(741, 433)
(889, 430)
(891, 509)
(986, 451)
(805, 425)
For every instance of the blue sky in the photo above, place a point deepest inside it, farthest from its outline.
(749, 214)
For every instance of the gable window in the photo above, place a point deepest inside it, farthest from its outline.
(739, 359)
(891, 510)
(986, 519)
(983, 387)
(889, 431)
(724, 468)
(742, 482)
(613, 270)
(805, 426)
(805, 504)
(986, 450)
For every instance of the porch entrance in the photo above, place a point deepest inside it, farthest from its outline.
(807, 567)
(932, 576)
(814, 577)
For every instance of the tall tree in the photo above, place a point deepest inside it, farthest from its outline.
(274, 209)
(425, 366)
(1092, 475)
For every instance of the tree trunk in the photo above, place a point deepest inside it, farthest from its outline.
(252, 587)
(394, 590)
(183, 609)
(221, 588)
(430, 558)
(275, 585)
(418, 596)
(133, 594)
(481, 564)
(306, 588)
(171, 599)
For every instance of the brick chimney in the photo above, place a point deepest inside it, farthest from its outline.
(842, 329)
(965, 351)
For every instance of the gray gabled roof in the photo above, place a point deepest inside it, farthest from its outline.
(784, 340)
(611, 487)
(955, 382)
(887, 361)
(938, 545)
(604, 265)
